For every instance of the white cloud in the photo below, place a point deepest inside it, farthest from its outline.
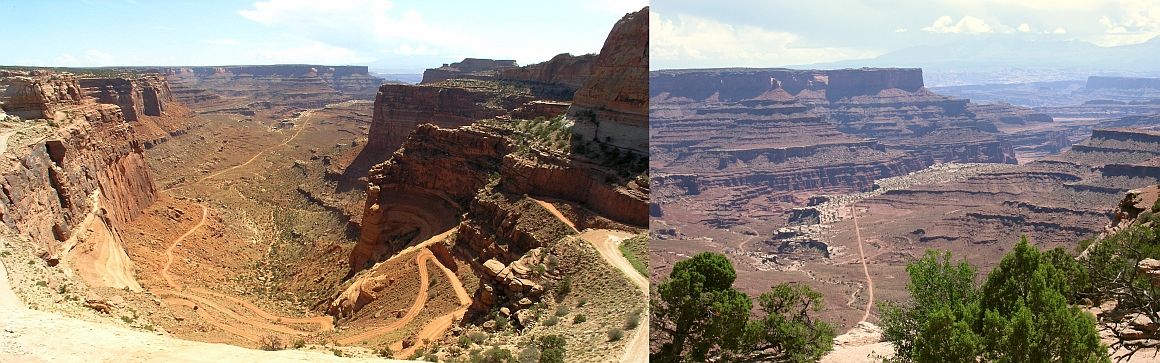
(306, 51)
(686, 41)
(967, 25)
(1024, 28)
(1131, 22)
(619, 7)
(1059, 31)
(900, 30)
(362, 26)
(224, 41)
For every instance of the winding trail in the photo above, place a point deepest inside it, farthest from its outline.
(865, 268)
(416, 307)
(607, 243)
(191, 299)
(255, 157)
(741, 247)
(177, 242)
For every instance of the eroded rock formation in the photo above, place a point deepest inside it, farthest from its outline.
(612, 106)
(84, 165)
(565, 69)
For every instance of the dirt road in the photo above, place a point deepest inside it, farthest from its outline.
(416, 307)
(865, 268)
(255, 157)
(607, 243)
(251, 326)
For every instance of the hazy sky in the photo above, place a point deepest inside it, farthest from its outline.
(770, 33)
(394, 36)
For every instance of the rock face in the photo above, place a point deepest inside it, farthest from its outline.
(468, 68)
(612, 106)
(491, 181)
(565, 69)
(39, 95)
(135, 97)
(399, 108)
(89, 166)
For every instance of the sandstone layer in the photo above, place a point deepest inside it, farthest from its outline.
(80, 169)
(612, 106)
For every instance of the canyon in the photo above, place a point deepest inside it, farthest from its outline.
(838, 178)
(315, 208)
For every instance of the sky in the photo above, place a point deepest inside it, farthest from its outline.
(389, 36)
(776, 33)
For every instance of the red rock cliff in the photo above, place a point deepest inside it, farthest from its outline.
(85, 164)
(565, 69)
(612, 106)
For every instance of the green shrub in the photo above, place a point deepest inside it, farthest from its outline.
(552, 320)
(633, 319)
(615, 334)
(579, 318)
(564, 286)
(531, 354)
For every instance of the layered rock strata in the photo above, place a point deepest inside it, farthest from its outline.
(612, 106)
(83, 164)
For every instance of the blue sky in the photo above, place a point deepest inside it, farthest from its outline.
(773, 33)
(390, 36)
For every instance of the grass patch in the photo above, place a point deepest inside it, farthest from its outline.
(635, 250)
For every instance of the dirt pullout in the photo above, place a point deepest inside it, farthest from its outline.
(8, 298)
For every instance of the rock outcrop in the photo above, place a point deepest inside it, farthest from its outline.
(468, 68)
(565, 69)
(612, 106)
(85, 164)
(38, 94)
(148, 95)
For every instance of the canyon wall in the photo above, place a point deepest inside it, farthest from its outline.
(565, 69)
(1100, 82)
(612, 105)
(85, 164)
(295, 85)
(439, 173)
(38, 94)
(765, 140)
(468, 68)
